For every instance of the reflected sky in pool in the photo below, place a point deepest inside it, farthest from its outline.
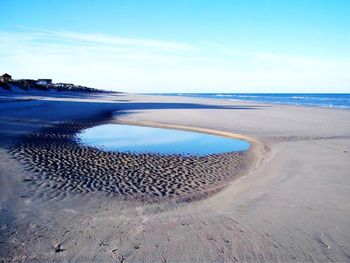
(128, 138)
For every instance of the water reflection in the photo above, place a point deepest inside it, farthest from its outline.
(125, 138)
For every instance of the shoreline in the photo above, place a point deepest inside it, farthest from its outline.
(290, 205)
(222, 98)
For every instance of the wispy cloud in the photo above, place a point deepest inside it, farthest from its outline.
(104, 39)
(143, 65)
(93, 46)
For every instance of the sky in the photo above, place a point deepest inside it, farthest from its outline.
(180, 46)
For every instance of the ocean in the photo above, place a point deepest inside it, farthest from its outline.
(331, 100)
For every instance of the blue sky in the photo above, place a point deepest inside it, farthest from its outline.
(180, 45)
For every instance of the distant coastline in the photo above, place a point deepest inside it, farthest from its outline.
(328, 100)
(7, 83)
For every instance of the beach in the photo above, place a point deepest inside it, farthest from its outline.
(285, 200)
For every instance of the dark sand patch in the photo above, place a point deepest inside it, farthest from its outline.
(60, 163)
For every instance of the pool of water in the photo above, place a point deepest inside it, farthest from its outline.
(128, 138)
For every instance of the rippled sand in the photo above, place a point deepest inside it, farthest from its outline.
(60, 163)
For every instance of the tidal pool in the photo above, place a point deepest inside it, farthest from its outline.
(138, 139)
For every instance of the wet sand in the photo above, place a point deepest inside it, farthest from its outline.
(285, 200)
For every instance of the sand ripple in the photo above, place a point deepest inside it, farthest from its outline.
(59, 162)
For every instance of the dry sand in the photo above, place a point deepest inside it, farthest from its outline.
(291, 202)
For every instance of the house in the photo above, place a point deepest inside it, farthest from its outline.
(43, 82)
(25, 83)
(64, 85)
(5, 78)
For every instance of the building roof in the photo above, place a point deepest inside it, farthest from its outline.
(6, 76)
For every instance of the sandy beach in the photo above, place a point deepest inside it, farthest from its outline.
(284, 200)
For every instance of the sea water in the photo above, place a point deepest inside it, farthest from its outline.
(138, 139)
(332, 100)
